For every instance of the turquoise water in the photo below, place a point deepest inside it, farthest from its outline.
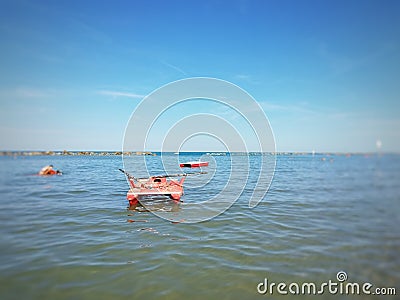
(72, 237)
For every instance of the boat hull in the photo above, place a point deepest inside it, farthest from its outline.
(194, 164)
(155, 186)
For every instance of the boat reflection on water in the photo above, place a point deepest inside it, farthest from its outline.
(156, 203)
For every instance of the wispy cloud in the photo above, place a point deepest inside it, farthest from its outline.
(27, 93)
(246, 78)
(174, 67)
(341, 63)
(268, 106)
(120, 94)
(305, 111)
(32, 93)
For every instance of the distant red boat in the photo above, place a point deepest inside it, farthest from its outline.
(194, 164)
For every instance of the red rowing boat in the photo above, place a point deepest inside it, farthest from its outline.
(156, 185)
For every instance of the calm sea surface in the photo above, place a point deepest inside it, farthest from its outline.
(72, 237)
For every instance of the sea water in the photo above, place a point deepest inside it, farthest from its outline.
(72, 236)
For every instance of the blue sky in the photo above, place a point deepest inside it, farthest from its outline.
(326, 73)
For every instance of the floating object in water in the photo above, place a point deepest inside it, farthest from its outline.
(178, 222)
(48, 170)
(156, 185)
(194, 164)
(132, 221)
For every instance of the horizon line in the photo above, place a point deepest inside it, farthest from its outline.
(191, 151)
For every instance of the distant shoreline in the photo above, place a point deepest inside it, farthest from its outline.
(73, 153)
(149, 153)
